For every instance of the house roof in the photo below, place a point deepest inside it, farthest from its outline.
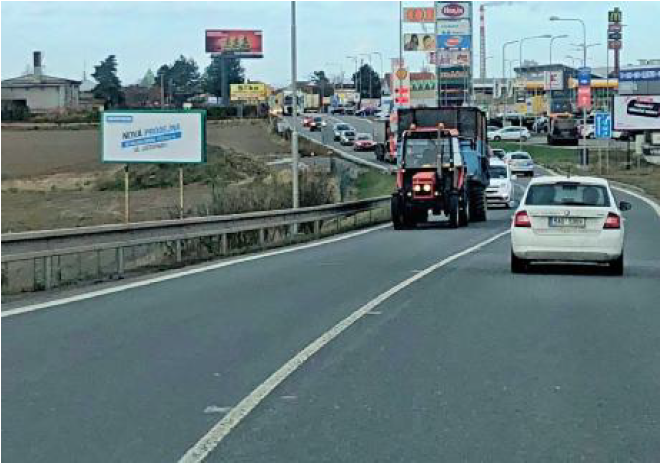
(36, 80)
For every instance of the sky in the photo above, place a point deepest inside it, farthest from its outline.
(77, 35)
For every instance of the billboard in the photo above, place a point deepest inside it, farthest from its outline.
(453, 75)
(553, 80)
(238, 43)
(637, 112)
(648, 74)
(248, 92)
(419, 42)
(454, 42)
(454, 27)
(449, 58)
(418, 15)
(153, 136)
(452, 10)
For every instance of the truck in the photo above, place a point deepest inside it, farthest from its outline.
(382, 134)
(563, 130)
(442, 166)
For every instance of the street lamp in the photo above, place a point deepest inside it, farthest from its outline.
(584, 65)
(506, 44)
(294, 133)
(520, 57)
(552, 40)
(355, 58)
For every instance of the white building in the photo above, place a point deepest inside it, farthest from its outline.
(41, 93)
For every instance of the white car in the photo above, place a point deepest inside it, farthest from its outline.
(382, 116)
(590, 132)
(520, 162)
(509, 133)
(347, 137)
(500, 189)
(338, 128)
(568, 219)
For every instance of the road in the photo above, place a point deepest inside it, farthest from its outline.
(453, 358)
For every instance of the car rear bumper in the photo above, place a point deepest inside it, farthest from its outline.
(497, 198)
(605, 246)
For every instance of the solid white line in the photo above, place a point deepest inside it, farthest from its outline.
(220, 430)
(176, 275)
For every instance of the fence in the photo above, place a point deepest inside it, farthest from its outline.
(46, 259)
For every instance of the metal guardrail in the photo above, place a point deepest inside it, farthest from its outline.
(50, 243)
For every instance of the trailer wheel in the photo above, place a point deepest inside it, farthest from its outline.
(477, 202)
(453, 211)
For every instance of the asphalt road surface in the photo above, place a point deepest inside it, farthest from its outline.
(466, 363)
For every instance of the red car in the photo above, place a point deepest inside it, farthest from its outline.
(307, 120)
(363, 142)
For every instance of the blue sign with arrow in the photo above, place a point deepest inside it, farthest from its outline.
(584, 76)
(603, 125)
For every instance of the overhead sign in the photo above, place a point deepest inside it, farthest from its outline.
(418, 15)
(452, 10)
(240, 92)
(454, 42)
(419, 43)
(238, 43)
(603, 125)
(153, 136)
(454, 27)
(637, 112)
(584, 76)
(449, 58)
(649, 74)
(553, 80)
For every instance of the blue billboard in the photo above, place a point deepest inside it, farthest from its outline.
(454, 42)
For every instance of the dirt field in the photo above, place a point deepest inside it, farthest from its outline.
(252, 137)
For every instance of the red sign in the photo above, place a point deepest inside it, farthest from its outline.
(242, 44)
(418, 15)
(453, 10)
(584, 97)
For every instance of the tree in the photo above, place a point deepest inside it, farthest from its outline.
(180, 80)
(320, 80)
(367, 80)
(149, 79)
(109, 85)
(212, 80)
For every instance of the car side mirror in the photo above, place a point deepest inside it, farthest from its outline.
(624, 206)
(514, 177)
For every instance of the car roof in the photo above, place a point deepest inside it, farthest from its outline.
(579, 179)
(496, 162)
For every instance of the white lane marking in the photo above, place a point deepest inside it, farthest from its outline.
(176, 275)
(221, 429)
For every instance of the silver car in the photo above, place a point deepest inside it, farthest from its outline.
(520, 162)
(347, 137)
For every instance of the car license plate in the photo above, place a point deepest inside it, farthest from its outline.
(558, 221)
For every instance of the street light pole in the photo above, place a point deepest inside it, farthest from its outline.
(294, 133)
(520, 125)
(552, 40)
(506, 100)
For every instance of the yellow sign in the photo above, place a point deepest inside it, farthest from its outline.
(401, 74)
(248, 92)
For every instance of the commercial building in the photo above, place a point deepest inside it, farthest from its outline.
(39, 92)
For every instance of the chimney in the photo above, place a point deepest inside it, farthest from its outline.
(37, 63)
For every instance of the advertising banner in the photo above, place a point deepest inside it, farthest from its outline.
(452, 10)
(454, 42)
(649, 74)
(454, 27)
(637, 112)
(453, 75)
(153, 136)
(418, 15)
(553, 80)
(449, 58)
(419, 42)
(584, 97)
(248, 92)
(239, 43)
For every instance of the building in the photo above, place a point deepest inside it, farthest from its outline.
(39, 92)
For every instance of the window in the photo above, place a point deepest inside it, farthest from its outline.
(567, 193)
(497, 172)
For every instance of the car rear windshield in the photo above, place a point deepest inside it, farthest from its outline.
(343, 127)
(497, 172)
(363, 137)
(567, 193)
(349, 133)
(520, 156)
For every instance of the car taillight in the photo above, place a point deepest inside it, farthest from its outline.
(522, 220)
(613, 221)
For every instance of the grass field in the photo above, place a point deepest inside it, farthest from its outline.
(371, 184)
(640, 173)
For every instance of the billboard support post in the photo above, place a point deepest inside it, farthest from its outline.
(181, 213)
(126, 212)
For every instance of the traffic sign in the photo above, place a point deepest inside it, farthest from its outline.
(584, 76)
(603, 125)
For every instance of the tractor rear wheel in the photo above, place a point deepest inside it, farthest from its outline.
(453, 211)
(477, 202)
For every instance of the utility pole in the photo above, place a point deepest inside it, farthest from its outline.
(294, 133)
(162, 90)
